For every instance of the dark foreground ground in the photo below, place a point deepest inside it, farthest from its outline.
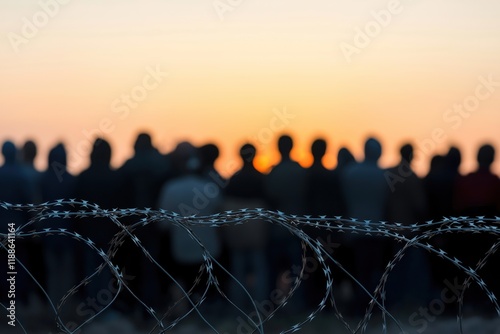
(41, 321)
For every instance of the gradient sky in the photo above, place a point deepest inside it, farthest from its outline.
(226, 78)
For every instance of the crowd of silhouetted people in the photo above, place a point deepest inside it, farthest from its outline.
(262, 256)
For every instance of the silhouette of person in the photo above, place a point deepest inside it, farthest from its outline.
(247, 242)
(453, 160)
(365, 187)
(247, 182)
(343, 253)
(286, 188)
(28, 155)
(189, 194)
(320, 183)
(439, 184)
(58, 250)
(407, 201)
(344, 159)
(366, 193)
(285, 185)
(34, 245)
(209, 153)
(321, 193)
(15, 188)
(435, 187)
(143, 175)
(98, 184)
(407, 204)
(478, 194)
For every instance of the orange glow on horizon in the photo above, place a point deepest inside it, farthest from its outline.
(265, 69)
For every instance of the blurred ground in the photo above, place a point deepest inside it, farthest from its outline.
(41, 321)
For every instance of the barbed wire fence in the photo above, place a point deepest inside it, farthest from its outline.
(414, 235)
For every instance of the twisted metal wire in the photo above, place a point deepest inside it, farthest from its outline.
(296, 225)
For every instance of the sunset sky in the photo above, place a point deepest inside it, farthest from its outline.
(233, 66)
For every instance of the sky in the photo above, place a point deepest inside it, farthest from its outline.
(232, 71)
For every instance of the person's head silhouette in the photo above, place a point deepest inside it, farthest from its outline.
(29, 152)
(101, 153)
(406, 152)
(186, 158)
(453, 158)
(485, 156)
(344, 157)
(318, 149)
(209, 154)
(57, 155)
(373, 150)
(9, 152)
(285, 145)
(248, 153)
(438, 164)
(143, 142)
